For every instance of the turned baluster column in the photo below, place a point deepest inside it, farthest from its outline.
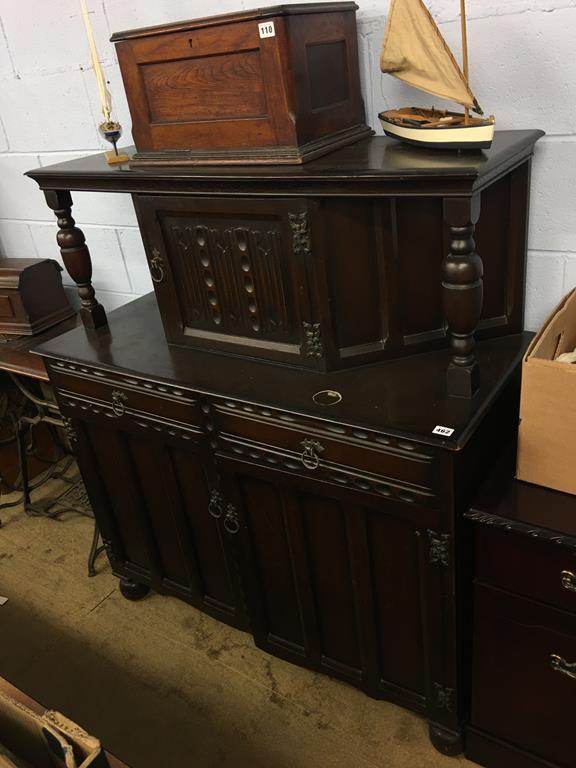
(76, 257)
(462, 292)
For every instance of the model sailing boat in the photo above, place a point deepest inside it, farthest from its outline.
(415, 51)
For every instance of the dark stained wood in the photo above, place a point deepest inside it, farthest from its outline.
(32, 298)
(257, 262)
(330, 531)
(76, 257)
(463, 293)
(371, 168)
(16, 354)
(524, 538)
(214, 91)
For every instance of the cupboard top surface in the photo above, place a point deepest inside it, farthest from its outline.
(405, 397)
(526, 509)
(377, 165)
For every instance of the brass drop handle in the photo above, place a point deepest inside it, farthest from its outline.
(118, 402)
(568, 580)
(310, 457)
(559, 664)
(216, 505)
(157, 266)
(231, 520)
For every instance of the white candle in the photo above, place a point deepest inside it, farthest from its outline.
(105, 98)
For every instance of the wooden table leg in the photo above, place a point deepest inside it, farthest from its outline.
(462, 291)
(76, 257)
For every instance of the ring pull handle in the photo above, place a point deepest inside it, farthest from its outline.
(119, 399)
(309, 456)
(216, 505)
(568, 580)
(231, 520)
(560, 664)
(157, 266)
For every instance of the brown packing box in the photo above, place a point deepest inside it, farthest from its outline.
(547, 435)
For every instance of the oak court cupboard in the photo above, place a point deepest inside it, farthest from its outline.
(287, 434)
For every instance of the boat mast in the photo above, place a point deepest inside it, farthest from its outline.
(464, 53)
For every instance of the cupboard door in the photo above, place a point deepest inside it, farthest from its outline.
(333, 580)
(233, 274)
(157, 509)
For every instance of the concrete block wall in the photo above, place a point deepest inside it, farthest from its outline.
(523, 70)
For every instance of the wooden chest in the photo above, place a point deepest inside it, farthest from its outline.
(524, 636)
(31, 296)
(273, 85)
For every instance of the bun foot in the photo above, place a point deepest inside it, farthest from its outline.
(131, 590)
(446, 741)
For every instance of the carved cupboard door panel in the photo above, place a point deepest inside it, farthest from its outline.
(335, 580)
(157, 510)
(234, 274)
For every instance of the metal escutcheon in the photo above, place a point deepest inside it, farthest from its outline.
(568, 580)
(118, 402)
(231, 520)
(310, 457)
(216, 504)
(559, 664)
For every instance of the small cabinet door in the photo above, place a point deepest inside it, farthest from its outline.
(333, 578)
(157, 509)
(233, 274)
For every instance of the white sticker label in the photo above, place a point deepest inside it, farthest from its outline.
(267, 29)
(445, 431)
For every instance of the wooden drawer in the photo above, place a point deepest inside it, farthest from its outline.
(524, 675)
(84, 391)
(359, 458)
(536, 568)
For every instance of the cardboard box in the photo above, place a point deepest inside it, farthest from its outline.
(547, 435)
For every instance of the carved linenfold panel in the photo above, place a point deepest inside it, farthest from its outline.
(231, 278)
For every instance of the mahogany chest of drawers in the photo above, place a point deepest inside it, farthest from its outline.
(272, 85)
(328, 531)
(524, 628)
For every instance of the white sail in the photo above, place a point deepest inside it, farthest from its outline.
(415, 51)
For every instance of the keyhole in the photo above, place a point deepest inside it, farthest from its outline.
(190, 42)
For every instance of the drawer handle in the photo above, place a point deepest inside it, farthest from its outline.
(157, 266)
(309, 456)
(118, 402)
(231, 520)
(216, 504)
(568, 580)
(559, 664)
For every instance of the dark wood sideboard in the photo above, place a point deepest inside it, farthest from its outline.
(328, 524)
(524, 627)
(328, 531)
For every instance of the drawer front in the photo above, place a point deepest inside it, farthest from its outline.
(87, 392)
(542, 570)
(524, 676)
(332, 452)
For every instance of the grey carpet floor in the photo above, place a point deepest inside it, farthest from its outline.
(163, 685)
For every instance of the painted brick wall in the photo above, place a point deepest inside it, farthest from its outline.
(523, 70)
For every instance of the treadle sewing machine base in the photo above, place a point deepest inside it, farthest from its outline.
(328, 531)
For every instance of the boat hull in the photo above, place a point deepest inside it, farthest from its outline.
(442, 137)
